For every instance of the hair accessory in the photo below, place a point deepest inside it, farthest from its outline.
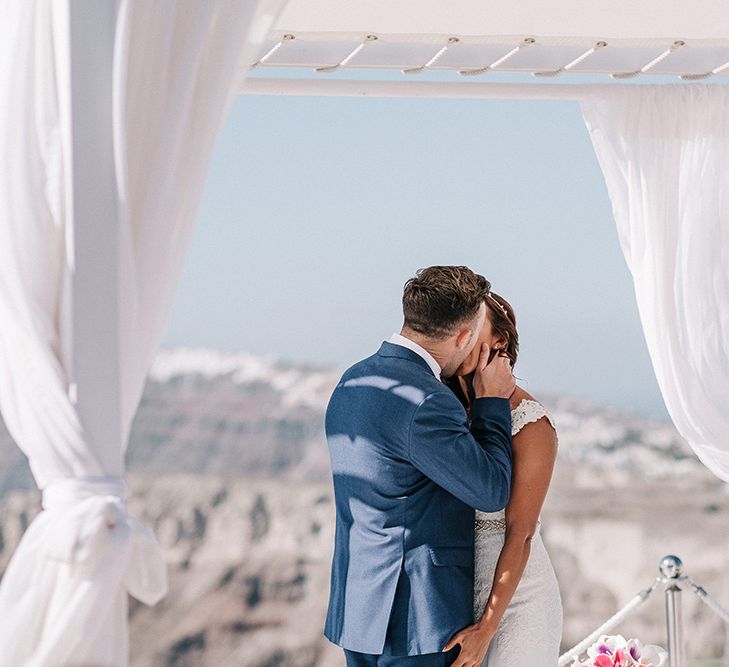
(503, 310)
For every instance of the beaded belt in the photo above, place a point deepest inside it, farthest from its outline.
(491, 525)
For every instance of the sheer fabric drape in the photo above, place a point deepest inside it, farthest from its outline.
(664, 152)
(176, 64)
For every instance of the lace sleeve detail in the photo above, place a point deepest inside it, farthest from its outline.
(527, 412)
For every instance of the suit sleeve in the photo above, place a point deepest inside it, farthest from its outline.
(472, 464)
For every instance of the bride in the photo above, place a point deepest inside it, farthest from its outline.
(517, 607)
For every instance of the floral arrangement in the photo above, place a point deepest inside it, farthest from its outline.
(615, 651)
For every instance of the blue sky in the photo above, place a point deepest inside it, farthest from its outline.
(316, 211)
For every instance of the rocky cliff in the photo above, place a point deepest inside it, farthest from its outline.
(228, 465)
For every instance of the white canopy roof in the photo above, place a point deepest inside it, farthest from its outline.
(623, 36)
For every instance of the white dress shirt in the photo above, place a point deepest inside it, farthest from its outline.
(398, 339)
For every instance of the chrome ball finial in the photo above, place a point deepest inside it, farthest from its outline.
(671, 567)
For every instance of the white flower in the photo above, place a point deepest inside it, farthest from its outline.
(634, 649)
(653, 656)
(648, 655)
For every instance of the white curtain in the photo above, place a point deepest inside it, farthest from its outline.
(664, 151)
(176, 64)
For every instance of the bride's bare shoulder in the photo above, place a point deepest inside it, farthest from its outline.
(531, 411)
(518, 396)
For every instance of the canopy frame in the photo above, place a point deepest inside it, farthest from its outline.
(416, 89)
(478, 55)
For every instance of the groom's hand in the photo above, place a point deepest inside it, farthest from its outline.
(493, 379)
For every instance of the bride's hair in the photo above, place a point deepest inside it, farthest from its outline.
(503, 323)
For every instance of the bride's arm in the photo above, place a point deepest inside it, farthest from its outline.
(534, 454)
(535, 451)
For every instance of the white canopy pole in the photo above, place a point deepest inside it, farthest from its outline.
(93, 255)
(94, 250)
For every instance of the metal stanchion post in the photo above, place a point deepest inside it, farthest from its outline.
(671, 568)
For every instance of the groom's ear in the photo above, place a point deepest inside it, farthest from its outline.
(463, 338)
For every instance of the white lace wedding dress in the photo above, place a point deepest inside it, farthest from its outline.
(530, 630)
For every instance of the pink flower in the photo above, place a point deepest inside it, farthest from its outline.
(622, 659)
(619, 659)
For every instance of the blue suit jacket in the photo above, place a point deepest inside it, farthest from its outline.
(408, 472)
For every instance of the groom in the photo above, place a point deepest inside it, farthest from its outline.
(408, 471)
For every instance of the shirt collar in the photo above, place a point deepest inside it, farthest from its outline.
(398, 339)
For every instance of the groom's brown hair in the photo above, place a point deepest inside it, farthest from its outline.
(439, 299)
